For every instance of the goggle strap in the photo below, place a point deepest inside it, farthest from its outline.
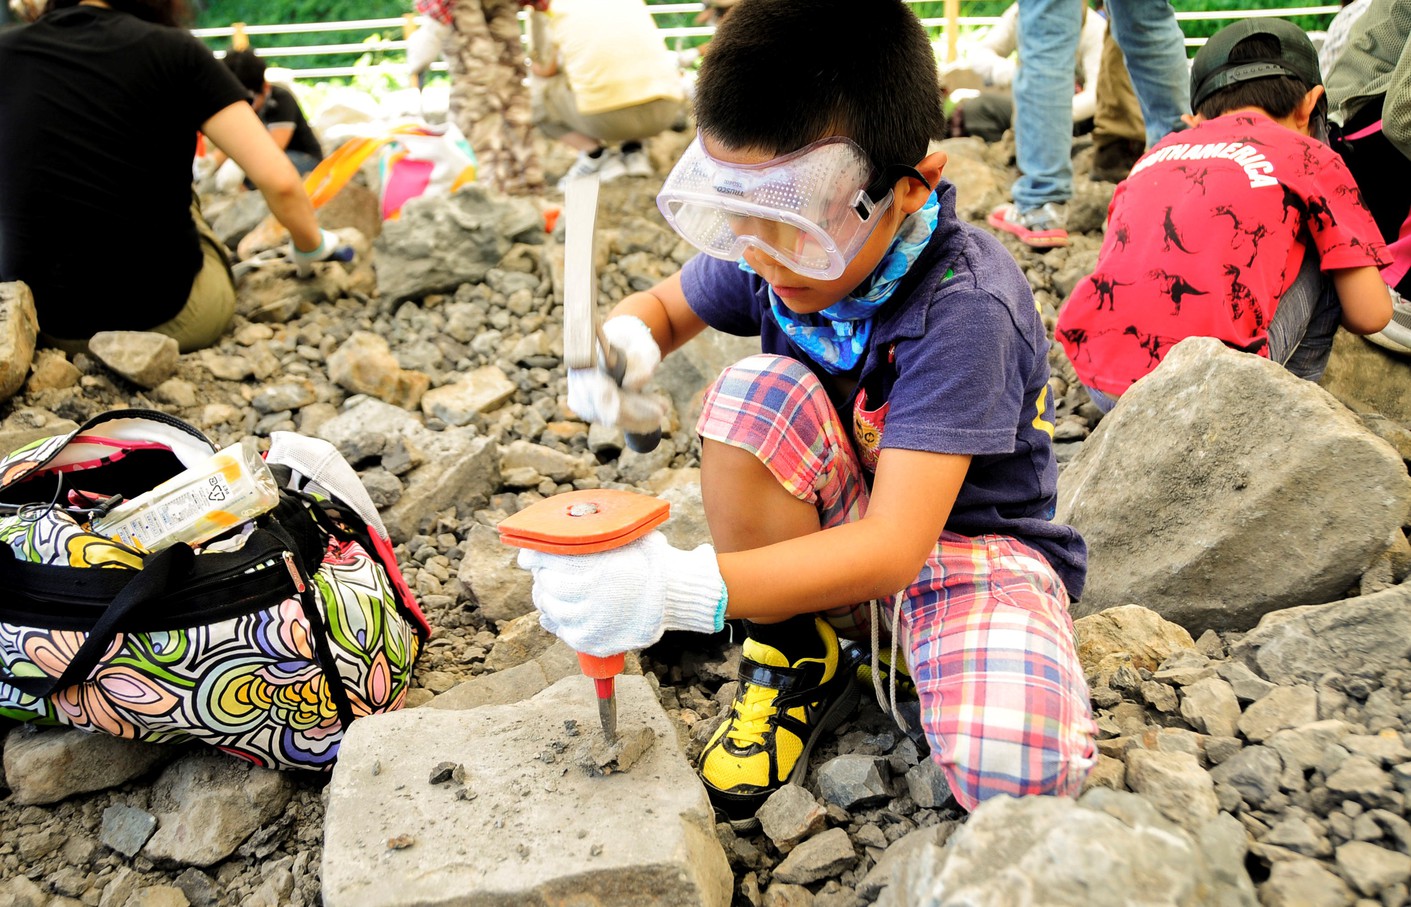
(883, 185)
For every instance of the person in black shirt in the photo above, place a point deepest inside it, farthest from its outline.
(99, 113)
(278, 110)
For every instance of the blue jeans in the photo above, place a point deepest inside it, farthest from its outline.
(1154, 47)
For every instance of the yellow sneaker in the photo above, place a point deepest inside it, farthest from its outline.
(780, 711)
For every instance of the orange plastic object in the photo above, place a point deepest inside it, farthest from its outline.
(602, 668)
(584, 522)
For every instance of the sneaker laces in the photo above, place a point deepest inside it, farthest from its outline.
(752, 714)
(882, 701)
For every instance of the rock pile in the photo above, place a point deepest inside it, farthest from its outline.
(1247, 638)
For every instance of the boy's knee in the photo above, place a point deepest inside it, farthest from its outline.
(754, 367)
(975, 776)
(972, 782)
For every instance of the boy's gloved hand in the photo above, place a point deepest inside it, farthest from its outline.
(622, 599)
(595, 396)
(632, 339)
(329, 246)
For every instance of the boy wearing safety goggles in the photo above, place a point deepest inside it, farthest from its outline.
(892, 441)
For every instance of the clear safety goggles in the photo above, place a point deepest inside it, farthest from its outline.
(811, 210)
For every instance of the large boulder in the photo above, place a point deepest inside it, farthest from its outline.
(1222, 487)
(441, 242)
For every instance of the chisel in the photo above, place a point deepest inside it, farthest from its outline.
(584, 522)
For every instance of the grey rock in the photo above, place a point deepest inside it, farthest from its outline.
(821, 857)
(126, 829)
(648, 829)
(51, 764)
(478, 392)
(1052, 851)
(207, 805)
(853, 781)
(1265, 523)
(364, 364)
(1283, 708)
(491, 569)
(790, 815)
(1175, 784)
(19, 330)
(1247, 685)
(1303, 883)
(142, 357)
(1301, 645)
(926, 784)
(1368, 378)
(1372, 869)
(440, 243)
(1253, 771)
(1211, 707)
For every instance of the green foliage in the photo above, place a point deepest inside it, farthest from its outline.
(222, 13)
(219, 13)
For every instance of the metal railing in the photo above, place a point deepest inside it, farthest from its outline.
(948, 29)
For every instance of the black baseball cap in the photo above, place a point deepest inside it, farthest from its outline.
(1212, 69)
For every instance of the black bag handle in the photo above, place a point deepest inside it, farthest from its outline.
(158, 574)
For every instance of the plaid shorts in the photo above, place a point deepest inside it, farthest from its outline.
(985, 625)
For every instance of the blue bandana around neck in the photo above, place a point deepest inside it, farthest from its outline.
(837, 337)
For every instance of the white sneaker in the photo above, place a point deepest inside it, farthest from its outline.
(583, 166)
(1396, 336)
(636, 163)
(612, 166)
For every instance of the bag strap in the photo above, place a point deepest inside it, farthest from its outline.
(158, 574)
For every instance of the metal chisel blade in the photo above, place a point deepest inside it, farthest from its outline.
(607, 714)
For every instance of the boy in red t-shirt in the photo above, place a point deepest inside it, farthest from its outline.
(1244, 227)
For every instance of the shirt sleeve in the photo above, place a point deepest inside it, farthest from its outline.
(724, 297)
(960, 386)
(1341, 226)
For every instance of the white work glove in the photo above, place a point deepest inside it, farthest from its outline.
(632, 339)
(329, 246)
(202, 167)
(623, 599)
(229, 177)
(424, 46)
(596, 397)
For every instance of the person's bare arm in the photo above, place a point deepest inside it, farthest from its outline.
(663, 308)
(1366, 304)
(282, 133)
(874, 557)
(237, 131)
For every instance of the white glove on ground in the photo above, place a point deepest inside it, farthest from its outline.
(329, 245)
(622, 599)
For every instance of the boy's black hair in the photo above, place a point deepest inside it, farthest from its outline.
(248, 68)
(780, 74)
(1276, 95)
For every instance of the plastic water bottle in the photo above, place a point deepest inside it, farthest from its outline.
(194, 506)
